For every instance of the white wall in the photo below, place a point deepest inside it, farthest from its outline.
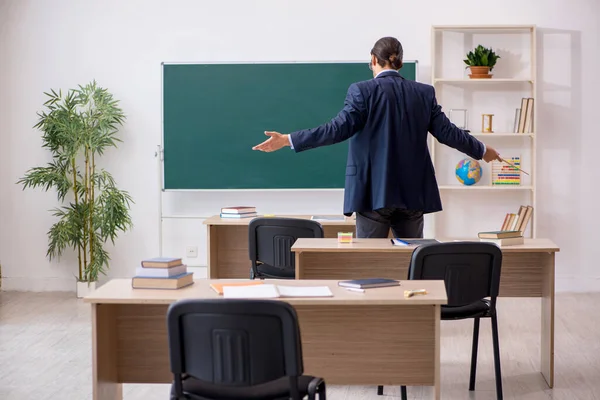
(121, 44)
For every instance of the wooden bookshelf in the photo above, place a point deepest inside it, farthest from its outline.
(514, 77)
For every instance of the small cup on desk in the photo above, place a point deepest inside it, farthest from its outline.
(344, 237)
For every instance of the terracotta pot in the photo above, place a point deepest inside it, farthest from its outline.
(480, 73)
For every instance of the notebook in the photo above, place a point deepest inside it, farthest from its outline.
(328, 218)
(369, 283)
(218, 287)
(268, 291)
(413, 242)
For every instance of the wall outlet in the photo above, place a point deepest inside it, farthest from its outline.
(191, 251)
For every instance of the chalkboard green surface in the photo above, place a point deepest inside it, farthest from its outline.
(214, 114)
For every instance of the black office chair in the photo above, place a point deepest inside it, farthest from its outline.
(270, 241)
(237, 349)
(471, 273)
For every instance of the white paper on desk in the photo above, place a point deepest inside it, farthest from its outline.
(274, 291)
(304, 291)
(250, 292)
(328, 218)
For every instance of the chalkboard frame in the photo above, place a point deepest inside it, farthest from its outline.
(159, 154)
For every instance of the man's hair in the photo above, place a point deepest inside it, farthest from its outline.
(388, 50)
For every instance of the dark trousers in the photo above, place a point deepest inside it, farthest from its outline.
(405, 224)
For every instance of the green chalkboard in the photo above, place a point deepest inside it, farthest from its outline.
(214, 113)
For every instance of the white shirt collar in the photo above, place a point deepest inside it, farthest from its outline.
(385, 70)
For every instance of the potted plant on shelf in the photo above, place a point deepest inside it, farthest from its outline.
(481, 61)
(76, 129)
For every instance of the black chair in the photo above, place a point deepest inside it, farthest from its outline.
(237, 349)
(270, 241)
(471, 273)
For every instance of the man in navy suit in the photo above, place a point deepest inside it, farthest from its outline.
(390, 179)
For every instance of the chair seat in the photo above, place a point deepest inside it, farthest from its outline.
(478, 309)
(268, 271)
(277, 389)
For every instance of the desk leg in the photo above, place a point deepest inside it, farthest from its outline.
(437, 377)
(298, 264)
(104, 353)
(212, 248)
(547, 339)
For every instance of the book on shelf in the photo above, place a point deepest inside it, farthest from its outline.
(512, 241)
(270, 291)
(369, 283)
(499, 234)
(504, 173)
(172, 282)
(512, 230)
(161, 262)
(524, 116)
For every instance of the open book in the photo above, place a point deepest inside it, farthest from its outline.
(268, 291)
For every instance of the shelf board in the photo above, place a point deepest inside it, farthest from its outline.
(485, 187)
(489, 29)
(490, 81)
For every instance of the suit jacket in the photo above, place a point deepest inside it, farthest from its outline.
(387, 120)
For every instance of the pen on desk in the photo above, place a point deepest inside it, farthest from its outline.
(355, 290)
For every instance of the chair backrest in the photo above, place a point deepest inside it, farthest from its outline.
(270, 241)
(470, 270)
(233, 342)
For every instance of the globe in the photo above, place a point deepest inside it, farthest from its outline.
(468, 171)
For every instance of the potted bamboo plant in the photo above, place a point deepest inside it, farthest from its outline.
(77, 128)
(481, 62)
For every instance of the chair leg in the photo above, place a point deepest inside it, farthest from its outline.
(497, 357)
(403, 393)
(322, 391)
(474, 354)
(380, 390)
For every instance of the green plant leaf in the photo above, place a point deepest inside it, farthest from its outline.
(481, 57)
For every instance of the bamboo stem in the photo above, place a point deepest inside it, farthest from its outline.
(92, 203)
(76, 195)
(85, 222)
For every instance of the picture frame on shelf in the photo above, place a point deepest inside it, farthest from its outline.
(458, 116)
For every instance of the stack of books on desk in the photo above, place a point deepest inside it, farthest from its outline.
(238, 212)
(162, 273)
(512, 229)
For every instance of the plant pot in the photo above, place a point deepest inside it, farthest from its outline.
(480, 72)
(85, 288)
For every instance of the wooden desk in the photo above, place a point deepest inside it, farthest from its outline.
(527, 271)
(372, 338)
(228, 255)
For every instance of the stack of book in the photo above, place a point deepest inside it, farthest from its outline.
(162, 273)
(506, 174)
(524, 116)
(238, 212)
(512, 229)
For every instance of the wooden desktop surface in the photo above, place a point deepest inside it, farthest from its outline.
(120, 291)
(527, 271)
(385, 245)
(217, 220)
(351, 338)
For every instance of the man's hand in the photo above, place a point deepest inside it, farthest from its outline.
(275, 142)
(491, 154)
